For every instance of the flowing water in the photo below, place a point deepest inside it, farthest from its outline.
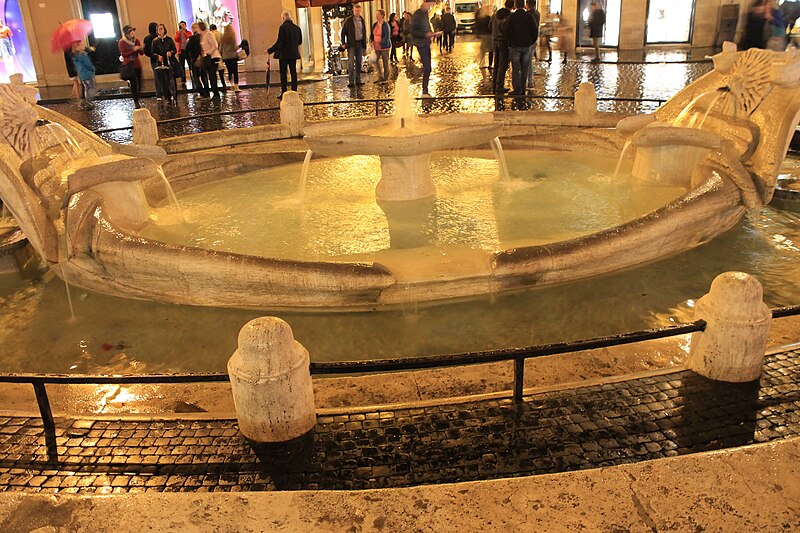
(65, 139)
(694, 115)
(301, 189)
(497, 148)
(621, 157)
(170, 193)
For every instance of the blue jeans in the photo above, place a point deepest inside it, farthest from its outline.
(355, 56)
(520, 57)
(425, 57)
(89, 89)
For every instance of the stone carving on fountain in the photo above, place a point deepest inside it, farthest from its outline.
(722, 138)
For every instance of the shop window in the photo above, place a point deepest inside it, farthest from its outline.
(669, 21)
(613, 9)
(15, 53)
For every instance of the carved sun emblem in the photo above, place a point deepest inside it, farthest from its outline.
(748, 83)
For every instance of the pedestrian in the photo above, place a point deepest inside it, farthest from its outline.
(530, 7)
(230, 55)
(396, 37)
(148, 51)
(221, 64)
(483, 29)
(210, 58)
(436, 24)
(164, 52)
(449, 29)
(182, 37)
(354, 40)
(776, 38)
(287, 50)
(566, 40)
(596, 22)
(85, 71)
(408, 45)
(500, 40)
(77, 87)
(521, 33)
(130, 48)
(422, 34)
(381, 38)
(754, 35)
(194, 54)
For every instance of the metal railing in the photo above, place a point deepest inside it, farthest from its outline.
(518, 355)
(377, 102)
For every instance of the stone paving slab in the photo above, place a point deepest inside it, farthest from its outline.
(630, 421)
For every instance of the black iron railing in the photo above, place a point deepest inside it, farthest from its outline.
(518, 355)
(377, 103)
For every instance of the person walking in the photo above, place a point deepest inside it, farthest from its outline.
(500, 40)
(163, 51)
(521, 33)
(230, 55)
(221, 64)
(85, 71)
(182, 37)
(530, 7)
(422, 34)
(449, 29)
(396, 37)
(483, 29)
(287, 50)
(194, 53)
(381, 38)
(130, 48)
(210, 58)
(596, 22)
(408, 45)
(354, 40)
(148, 51)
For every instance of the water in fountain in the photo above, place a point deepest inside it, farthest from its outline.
(64, 138)
(621, 157)
(404, 116)
(301, 190)
(695, 118)
(497, 148)
(171, 194)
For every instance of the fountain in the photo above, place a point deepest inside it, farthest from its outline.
(721, 170)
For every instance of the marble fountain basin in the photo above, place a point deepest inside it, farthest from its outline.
(732, 167)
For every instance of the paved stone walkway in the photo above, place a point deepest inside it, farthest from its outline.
(630, 421)
(454, 75)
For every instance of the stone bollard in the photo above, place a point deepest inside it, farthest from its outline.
(732, 346)
(585, 103)
(145, 129)
(292, 116)
(271, 382)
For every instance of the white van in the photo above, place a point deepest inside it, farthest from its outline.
(464, 11)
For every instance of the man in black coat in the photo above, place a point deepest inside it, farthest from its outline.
(354, 39)
(287, 50)
(448, 29)
(521, 32)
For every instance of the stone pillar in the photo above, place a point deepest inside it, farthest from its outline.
(292, 116)
(145, 129)
(585, 103)
(732, 346)
(271, 382)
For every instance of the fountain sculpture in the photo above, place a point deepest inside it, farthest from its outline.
(83, 212)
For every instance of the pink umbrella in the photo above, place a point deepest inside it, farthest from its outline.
(69, 32)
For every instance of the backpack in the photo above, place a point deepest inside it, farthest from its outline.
(245, 45)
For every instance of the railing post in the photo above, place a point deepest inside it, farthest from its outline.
(145, 128)
(292, 115)
(377, 109)
(519, 378)
(47, 420)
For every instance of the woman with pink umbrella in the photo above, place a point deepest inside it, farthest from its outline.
(61, 40)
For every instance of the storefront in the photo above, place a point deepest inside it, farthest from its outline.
(15, 52)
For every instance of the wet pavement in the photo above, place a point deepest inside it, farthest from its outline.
(629, 421)
(624, 83)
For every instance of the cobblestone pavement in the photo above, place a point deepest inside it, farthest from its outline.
(454, 75)
(635, 420)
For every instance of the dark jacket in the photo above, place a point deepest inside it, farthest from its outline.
(160, 47)
(448, 23)
(193, 48)
(420, 26)
(597, 19)
(349, 32)
(289, 39)
(386, 36)
(499, 20)
(521, 30)
(148, 40)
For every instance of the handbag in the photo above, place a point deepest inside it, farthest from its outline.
(241, 54)
(373, 57)
(127, 71)
(176, 68)
(198, 63)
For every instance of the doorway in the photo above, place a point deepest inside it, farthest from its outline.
(105, 33)
(613, 9)
(669, 21)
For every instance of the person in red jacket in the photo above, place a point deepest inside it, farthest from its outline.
(130, 48)
(182, 36)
